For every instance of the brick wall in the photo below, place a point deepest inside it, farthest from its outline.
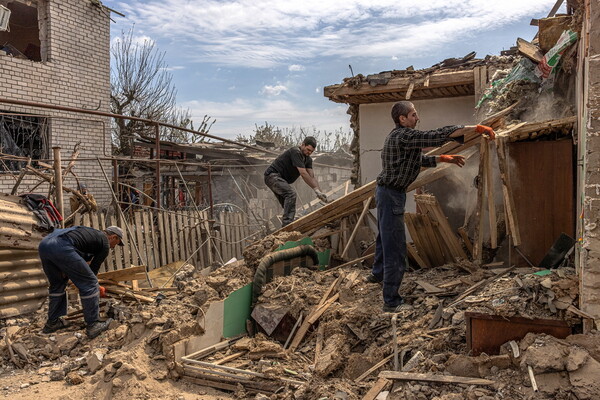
(76, 41)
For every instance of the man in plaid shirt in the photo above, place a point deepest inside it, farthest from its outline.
(402, 159)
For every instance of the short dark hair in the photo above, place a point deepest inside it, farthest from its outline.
(310, 141)
(401, 108)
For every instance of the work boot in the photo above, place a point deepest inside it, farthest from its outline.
(96, 328)
(394, 309)
(372, 279)
(54, 325)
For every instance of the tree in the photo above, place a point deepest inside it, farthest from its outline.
(281, 138)
(141, 86)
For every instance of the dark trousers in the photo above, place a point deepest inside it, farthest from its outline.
(61, 262)
(286, 195)
(390, 248)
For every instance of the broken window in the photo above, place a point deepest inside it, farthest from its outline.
(23, 136)
(26, 30)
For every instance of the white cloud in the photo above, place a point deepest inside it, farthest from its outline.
(296, 67)
(241, 115)
(268, 33)
(274, 90)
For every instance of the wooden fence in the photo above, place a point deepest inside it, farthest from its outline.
(163, 237)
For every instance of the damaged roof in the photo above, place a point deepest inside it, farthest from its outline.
(452, 77)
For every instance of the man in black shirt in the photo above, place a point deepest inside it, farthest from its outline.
(286, 169)
(76, 253)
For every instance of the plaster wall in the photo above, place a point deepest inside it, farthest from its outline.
(376, 123)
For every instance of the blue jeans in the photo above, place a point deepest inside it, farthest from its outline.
(390, 248)
(61, 262)
(286, 195)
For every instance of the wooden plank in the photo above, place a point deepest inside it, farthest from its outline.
(155, 239)
(420, 248)
(181, 230)
(435, 212)
(529, 50)
(437, 245)
(412, 252)
(174, 239)
(161, 237)
(166, 216)
(377, 387)
(138, 228)
(148, 239)
(127, 245)
(109, 263)
(507, 193)
(117, 252)
(478, 245)
(411, 376)
(209, 244)
(489, 184)
(198, 228)
(429, 288)
(466, 240)
(126, 274)
(356, 226)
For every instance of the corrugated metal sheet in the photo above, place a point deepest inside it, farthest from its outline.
(23, 284)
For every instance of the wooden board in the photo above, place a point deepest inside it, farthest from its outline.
(486, 333)
(410, 376)
(544, 171)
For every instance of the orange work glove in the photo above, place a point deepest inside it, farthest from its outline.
(482, 129)
(453, 159)
(102, 292)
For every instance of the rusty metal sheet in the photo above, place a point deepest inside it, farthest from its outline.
(486, 332)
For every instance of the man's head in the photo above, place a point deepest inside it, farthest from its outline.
(404, 114)
(82, 187)
(308, 145)
(115, 236)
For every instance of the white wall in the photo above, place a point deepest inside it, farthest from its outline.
(376, 123)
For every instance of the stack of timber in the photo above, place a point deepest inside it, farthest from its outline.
(432, 236)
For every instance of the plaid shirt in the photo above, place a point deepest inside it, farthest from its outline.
(402, 156)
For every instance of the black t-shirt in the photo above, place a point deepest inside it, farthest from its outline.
(91, 244)
(287, 164)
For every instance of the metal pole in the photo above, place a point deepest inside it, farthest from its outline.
(125, 222)
(58, 184)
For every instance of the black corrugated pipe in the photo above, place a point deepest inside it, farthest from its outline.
(260, 277)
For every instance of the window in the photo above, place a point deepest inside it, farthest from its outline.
(26, 30)
(23, 136)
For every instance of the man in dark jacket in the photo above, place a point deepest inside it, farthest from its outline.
(286, 169)
(76, 253)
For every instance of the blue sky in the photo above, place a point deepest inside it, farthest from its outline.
(247, 62)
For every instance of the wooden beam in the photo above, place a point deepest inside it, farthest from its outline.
(394, 85)
(358, 224)
(478, 245)
(489, 185)
(463, 234)
(509, 202)
(529, 50)
(377, 387)
(410, 376)
(127, 274)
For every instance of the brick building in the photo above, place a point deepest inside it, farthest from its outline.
(58, 53)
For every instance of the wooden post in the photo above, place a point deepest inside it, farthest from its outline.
(358, 223)
(58, 183)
